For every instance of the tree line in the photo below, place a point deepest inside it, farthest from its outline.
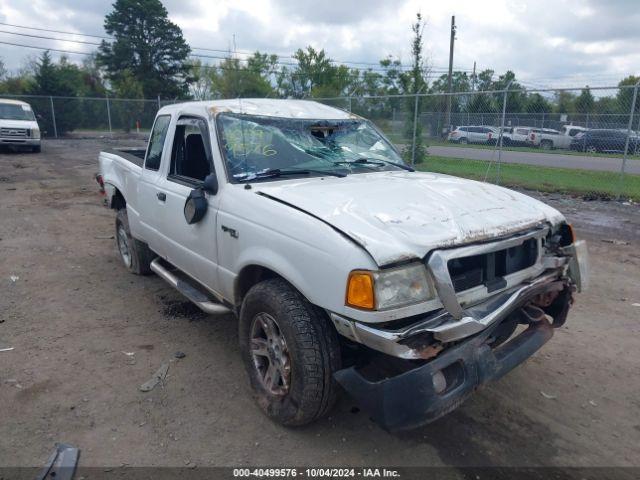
(148, 57)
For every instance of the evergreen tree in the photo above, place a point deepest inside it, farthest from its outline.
(148, 46)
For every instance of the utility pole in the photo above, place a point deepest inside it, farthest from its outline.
(473, 78)
(450, 80)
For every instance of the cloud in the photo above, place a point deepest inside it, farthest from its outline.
(546, 42)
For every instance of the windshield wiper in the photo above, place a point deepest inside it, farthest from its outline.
(276, 172)
(378, 161)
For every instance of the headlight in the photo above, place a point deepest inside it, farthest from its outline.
(393, 288)
(35, 133)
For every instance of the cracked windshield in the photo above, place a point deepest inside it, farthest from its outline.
(258, 147)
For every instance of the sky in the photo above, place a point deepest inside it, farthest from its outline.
(547, 43)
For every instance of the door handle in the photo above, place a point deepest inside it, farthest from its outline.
(161, 196)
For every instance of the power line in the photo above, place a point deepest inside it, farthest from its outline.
(243, 52)
(55, 31)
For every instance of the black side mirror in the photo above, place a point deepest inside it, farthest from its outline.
(210, 184)
(196, 206)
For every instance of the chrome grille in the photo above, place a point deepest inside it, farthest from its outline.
(14, 132)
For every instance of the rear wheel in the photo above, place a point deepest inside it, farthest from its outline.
(546, 144)
(290, 351)
(591, 149)
(463, 141)
(135, 254)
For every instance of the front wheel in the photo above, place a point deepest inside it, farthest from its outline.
(290, 351)
(546, 145)
(463, 141)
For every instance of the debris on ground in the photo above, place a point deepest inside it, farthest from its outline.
(592, 403)
(615, 241)
(129, 354)
(157, 378)
(179, 354)
(5, 348)
(547, 396)
(635, 304)
(14, 278)
(61, 464)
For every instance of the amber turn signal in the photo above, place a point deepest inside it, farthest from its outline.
(360, 290)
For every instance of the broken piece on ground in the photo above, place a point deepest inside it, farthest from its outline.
(157, 378)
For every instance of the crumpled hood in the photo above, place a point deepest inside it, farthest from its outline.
(397, 216)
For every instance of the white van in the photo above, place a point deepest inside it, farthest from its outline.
(18, 125)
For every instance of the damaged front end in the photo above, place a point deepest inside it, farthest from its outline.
(487, 291)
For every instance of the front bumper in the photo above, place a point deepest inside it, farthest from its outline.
(412, 399)
(20, 141)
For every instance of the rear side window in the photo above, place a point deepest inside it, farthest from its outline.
(573, 132)
(156, 142)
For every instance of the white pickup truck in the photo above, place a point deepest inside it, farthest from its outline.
(343, 265)
(549, 139)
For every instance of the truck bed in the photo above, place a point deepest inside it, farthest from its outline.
(133, 155)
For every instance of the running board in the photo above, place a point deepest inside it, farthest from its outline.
(203, 301)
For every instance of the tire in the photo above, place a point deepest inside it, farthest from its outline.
(591, 149)
(303, 355)
(463, 141)
(546, 145)
(36, 149)
(135, 255)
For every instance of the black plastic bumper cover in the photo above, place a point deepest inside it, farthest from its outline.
(410, 400)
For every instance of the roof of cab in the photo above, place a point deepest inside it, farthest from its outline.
(12, 102)
(269, 107)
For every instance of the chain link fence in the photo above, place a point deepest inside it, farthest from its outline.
(566, 140)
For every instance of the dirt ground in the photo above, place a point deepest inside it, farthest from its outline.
(86, 334)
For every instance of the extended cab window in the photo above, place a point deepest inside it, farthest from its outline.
(190, 157)
(156, 142)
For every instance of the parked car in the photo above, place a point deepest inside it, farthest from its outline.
(473, 134)
(343, 264)
(18, 125)
(603, 140)
(549, 139)
(518, 136)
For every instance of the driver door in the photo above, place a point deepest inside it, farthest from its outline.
(191, 248)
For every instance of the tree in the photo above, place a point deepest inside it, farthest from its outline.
(148, 46)
(565, 101)
(234, 78)
(201, 85)
(625, 95)
(315, 75)
(414, 82)
(62, 80)
(585, 102)
(128, 112)
(3, 71)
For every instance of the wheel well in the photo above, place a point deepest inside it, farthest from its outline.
(250, 276)
(117, 201)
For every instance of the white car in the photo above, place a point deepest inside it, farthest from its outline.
(549, 139)
(18, 125)
(474, 134)
(516, 136)
(343, 264)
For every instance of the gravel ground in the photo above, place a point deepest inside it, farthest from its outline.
(86, 334)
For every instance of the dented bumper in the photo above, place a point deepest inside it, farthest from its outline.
(426, 393)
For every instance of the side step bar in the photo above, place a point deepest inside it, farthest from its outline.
(193, 293)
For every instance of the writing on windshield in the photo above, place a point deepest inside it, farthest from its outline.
(256, 144)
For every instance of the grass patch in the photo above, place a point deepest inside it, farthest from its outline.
(516, 148)
(548, 179)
